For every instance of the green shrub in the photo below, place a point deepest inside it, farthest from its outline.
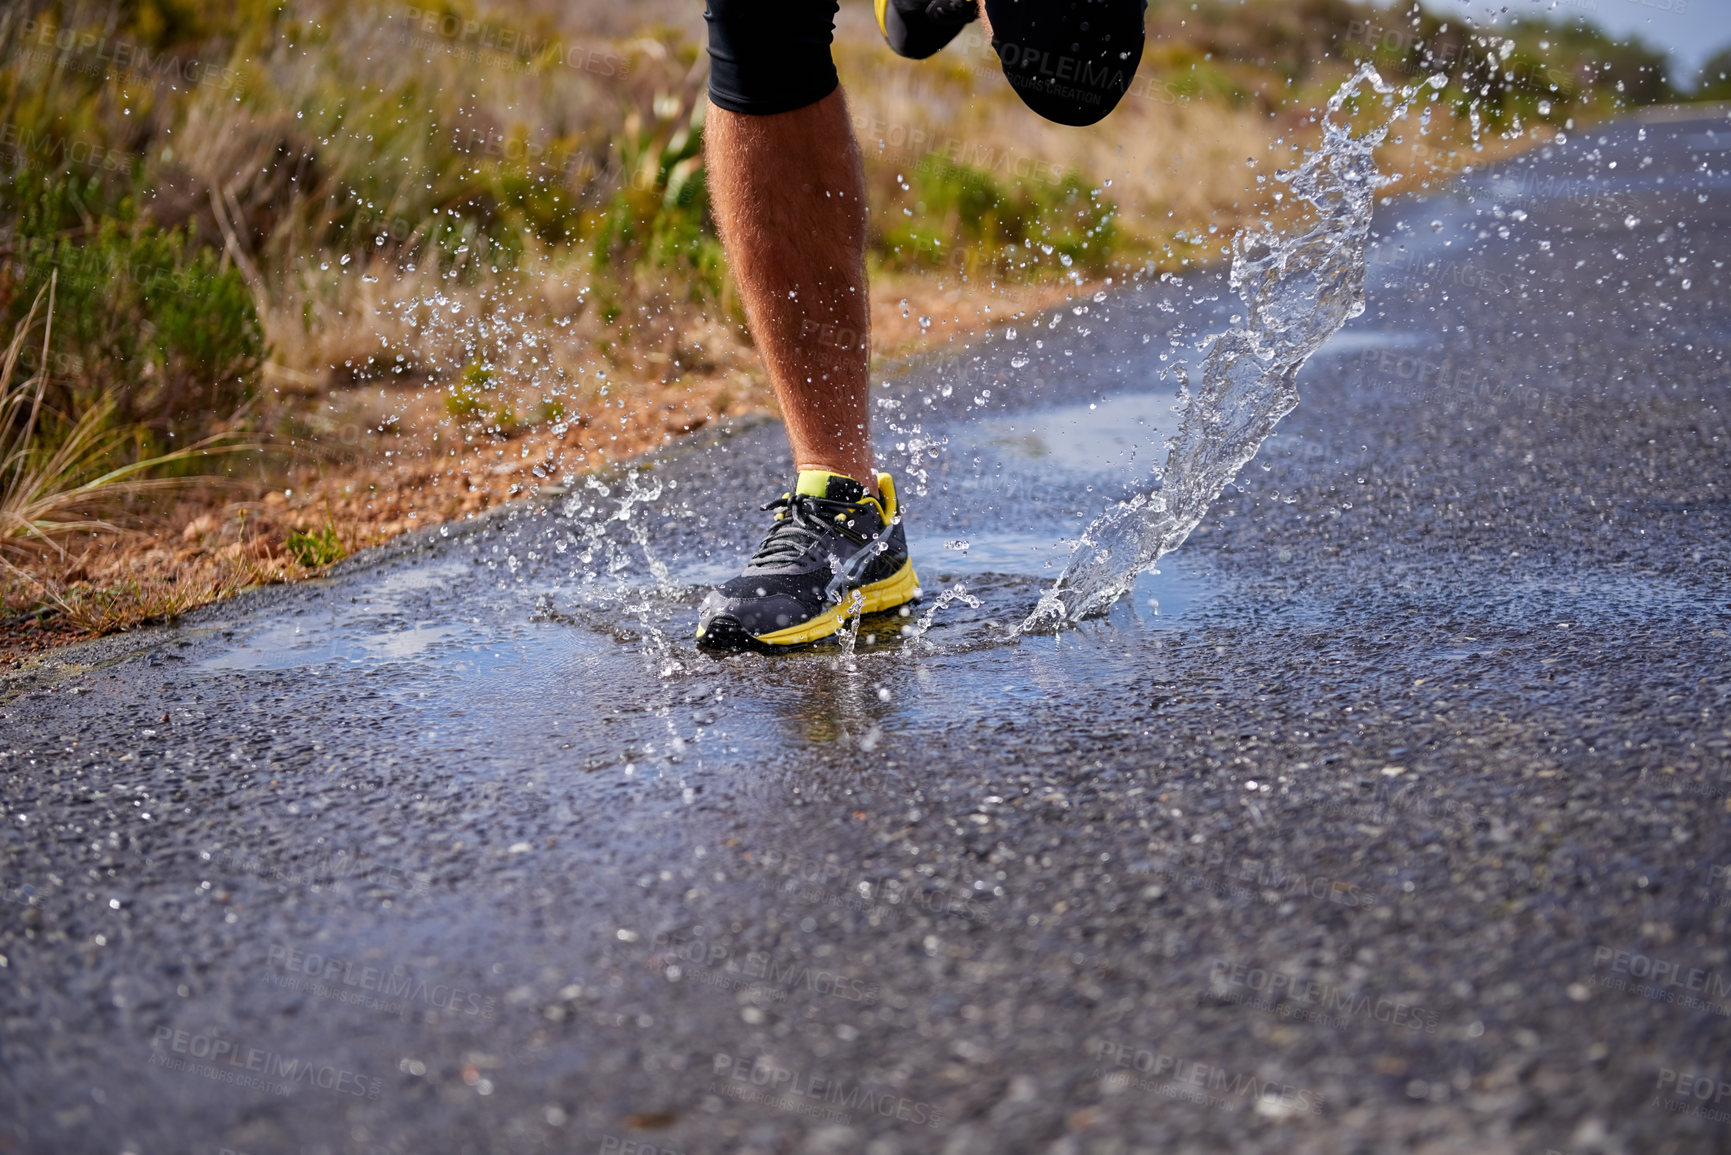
(957, 215)
(316, 548)
(1530, 68)
(145, 314)
(469, 399)
(475, 401)
(659, 216)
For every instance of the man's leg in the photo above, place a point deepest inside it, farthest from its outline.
(789, 197)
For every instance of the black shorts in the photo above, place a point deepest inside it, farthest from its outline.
(769, 56)
(1069, 60)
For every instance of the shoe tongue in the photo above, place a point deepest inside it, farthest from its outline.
(833, 486)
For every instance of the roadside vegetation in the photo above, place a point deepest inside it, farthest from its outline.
(415, 259)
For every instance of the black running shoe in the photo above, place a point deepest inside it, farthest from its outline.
(829, 540)
(1071, 61)
(917, 28)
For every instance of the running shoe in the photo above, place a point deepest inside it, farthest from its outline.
(828, 541)
(1071, 61)
(918, 28)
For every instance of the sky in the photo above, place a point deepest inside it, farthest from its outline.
(1689, 30)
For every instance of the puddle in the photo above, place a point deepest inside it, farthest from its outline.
(1008, 553)
(309, 642)
(1114, 436)
(376, 628)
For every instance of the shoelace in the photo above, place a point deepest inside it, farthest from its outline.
(807, 519)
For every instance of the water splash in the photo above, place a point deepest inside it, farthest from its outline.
(915, 633)
(849, 633)
(595, 543)
(599, 547)
(1299, 289)
(915, 447)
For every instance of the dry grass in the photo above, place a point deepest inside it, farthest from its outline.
(56, 484)
(95, 610)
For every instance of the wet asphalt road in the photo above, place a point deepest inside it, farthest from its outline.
(1403, 824)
